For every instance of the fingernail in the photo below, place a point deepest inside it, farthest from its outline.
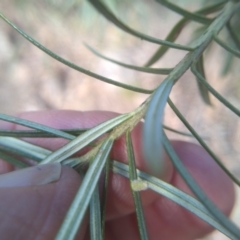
(32, 176)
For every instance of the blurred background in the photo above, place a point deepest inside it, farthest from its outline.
(31, 80)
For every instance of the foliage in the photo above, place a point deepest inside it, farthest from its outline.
(219, 25)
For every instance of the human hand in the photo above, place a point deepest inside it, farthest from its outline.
(32, 211)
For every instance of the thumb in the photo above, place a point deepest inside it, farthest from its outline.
(35, 200)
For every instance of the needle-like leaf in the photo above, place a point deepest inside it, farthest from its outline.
(202, 89)
(105, 11)
(83, 140)
(175, 195)
(233, 35)
(152, 131)
(95, 216)
(210, 206)
(72, 65)
(23, 149)
(38, 126)
(40, 134)
(200, 140)
(81, 201)
(214, 92)
(164, 71)
(154, 136)
(192, 16)
(177, 29)
(172, 36)
(136, 196)
(14, 161)
(104, 196)
(235, 52)
(177, 131)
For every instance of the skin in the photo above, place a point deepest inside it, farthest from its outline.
(36, 212)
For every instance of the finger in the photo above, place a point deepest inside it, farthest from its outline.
(36, 210)
(166, 219)
(56, 119)
(119, 198)
(119, 193)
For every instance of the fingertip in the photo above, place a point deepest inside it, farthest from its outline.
(167, 219)
(207, 173)
(37, 210)
(209, 176)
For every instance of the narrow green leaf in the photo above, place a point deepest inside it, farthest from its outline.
(131, 157)
(95, 216)
(172, 36)
(22, 148)
(200, 140)
(72, 65)
(235, 52)
(215, 27)
(12, 160)
(34, 125)
(233, 35)
(202, 89)
(27, 150)
(104, 10)
(81, 201)
(192, 16)
(176, 131)
(210, 206)
(83, 140)
(175, 195)
(40, 134)
(104, 196)
(177, 29)
(136, 196)
(164, 71)
(214, 92)
(79, 162)
(212, 8)
(152, 131)
(228, 63)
